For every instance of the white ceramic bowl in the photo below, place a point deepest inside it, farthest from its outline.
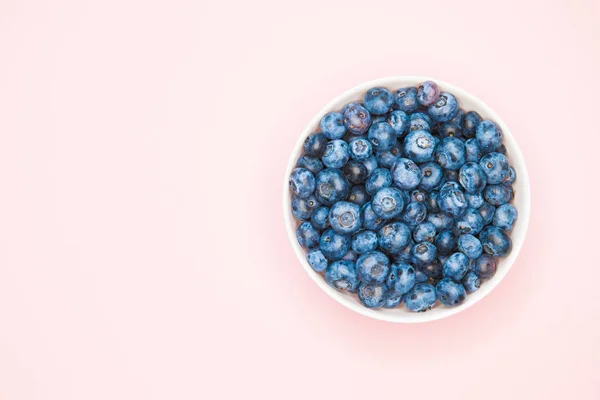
(522, 202)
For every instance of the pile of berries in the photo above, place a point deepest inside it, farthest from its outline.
(405, 198)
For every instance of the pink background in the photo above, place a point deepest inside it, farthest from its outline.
(142, 248)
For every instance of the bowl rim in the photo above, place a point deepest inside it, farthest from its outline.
(524, 193)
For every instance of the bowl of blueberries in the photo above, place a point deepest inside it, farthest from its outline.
(406, 199)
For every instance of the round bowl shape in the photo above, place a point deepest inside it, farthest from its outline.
(468, 102)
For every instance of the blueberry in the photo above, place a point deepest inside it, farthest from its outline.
(484, 267)
(392, 300)
(373, 267)
(358, 195)
(487, 212)
(355, 171)
(317, 260)
(472, 177)
(432, 176)
(406, 253)
(336, 154)
(496, 167)
(315, 144)
(388, 203)
(331, 186)
(431, 202)
(394, 237)
(418, 195)
(428, 93)
(304, 208)
(342, 276)
(512, 176)
(420, 298)
(350, 256)
(413, 214)
(314, 165)
(364, 242)
(424, 253)
(360, 149)
(450, 129)
(471, 282)
(456, 266)
(474, 200)
(421, 277)
(372, 295)
(351, 105)
(399, 120)
(472, 151)
(401, 278)
(495, 241)
(307, 235)
(505, 217)
(446, 241)
(452, 200)
(382, 136)
(406, 174)
(444, 109)
(379, 100)
(470, 246)
(450, 293)
(489, 136)
(357, 119)
(424, 232)
(497, 195)
(419, 122)
(302, 183)
(332, 125)
(433, 270)
(419, 146)
(450, 154)
(379, 179)
(386, 159)
(406, 99)
(371, 164)
(345, 218)
(333, 245)
(470, 222)
(371, 220)
(470, 122)
(440, 220)
(320, 218)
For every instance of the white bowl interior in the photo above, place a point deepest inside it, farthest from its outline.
(522, 201)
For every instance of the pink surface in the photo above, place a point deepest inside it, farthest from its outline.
(142, 247)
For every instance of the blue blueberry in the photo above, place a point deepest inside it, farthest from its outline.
(386, 159)
(357, 119)
(341, 275)
(371, 164)
(372, 295)
(302, 183)
(440, 220)
(373, 267)
(331, 186)
(446, 241)
(348, 106)
(399, 120)
(360, 149)
(450, 293)
(470, 222)
(314, 165)
(484, 267)
(428, 93)
(371, 220)
(450, 129)
(420, 298)
(470, 246)
(470, 122)
(472, 151)
(355, 171)
(401, 278)
(345, 218)
(334, 245)
(487, 212)
(336, 154)
(471, 282)
(413, 214)
(388, 203)
(304, 208)
(456, 266)
(472, 178)
(382, 136)
(419, 146)
(365, 242)
(394, 237)
(510, 179)
(489, 136)
(444, 109)
(496, 167)
(406, 253)
(475, 200)
(315, 145)
(450, 154)
(452, 200)
(379, 179)
(418, 195)
(421, 277)
(433, 270)
(424, 232)
(332, 125)
(495, 241)
(358, 195)
(505, 217)
(419, 122)
(432, 176)
(307, 235)
(406, 174)
(424, 253)
(406, 99)
(320, 218)
(317, 260)
(393, 299)
(497, 195)
(379, 100)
